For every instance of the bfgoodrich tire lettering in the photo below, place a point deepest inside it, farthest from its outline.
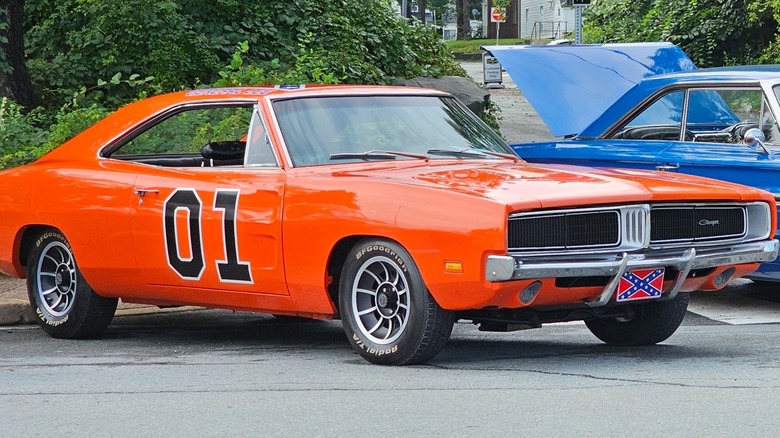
(388, 314)
(65, 305)
(654, 322)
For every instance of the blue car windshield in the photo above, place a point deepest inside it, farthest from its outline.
(323, 130)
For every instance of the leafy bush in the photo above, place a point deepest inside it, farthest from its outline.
(712, 33)
(90, 57)
(183, 43)
(35, 142)
(17, 130)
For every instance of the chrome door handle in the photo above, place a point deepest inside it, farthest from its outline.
(142, 192)
(667, 167)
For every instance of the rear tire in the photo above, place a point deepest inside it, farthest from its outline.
(653, 322)
(65, 305)
(388, 314)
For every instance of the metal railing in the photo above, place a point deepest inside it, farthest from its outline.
(549, 29)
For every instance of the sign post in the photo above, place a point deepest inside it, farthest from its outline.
(491, 68)
(578, 6)
(498, 16)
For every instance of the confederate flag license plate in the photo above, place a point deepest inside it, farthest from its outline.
(640, 284)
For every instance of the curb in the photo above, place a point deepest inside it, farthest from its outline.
(14, 312)
(467, 56)
(18, 312)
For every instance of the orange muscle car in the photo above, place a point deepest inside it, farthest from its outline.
(394, 209)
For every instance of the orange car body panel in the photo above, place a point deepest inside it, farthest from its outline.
(289, 219)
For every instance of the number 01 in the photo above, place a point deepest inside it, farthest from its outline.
(230, 270)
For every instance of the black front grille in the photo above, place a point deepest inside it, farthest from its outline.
(567, 230)
(696, 223)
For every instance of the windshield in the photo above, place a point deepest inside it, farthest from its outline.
(325, 130)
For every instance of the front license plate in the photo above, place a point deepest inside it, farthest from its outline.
(640, 284)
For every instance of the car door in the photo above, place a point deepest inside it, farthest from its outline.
(737, 163)
(721, 152)
(203, 224)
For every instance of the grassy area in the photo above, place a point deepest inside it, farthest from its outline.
(473, 46)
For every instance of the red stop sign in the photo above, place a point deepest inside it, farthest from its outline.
(498, 15)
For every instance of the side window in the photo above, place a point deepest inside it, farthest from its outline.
(259, 150)
(769, 125)
(662, 120)
(192, 138)
(724, 115)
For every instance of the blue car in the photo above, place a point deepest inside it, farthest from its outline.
(647, 106)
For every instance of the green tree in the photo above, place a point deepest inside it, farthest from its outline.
(182, 43)
(712, 33)
(14, 79)
(766, 13)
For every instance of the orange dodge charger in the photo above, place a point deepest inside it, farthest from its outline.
(394, 209)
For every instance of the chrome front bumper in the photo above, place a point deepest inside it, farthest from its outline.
(506, 268)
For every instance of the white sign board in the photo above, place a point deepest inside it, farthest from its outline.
(491, 69)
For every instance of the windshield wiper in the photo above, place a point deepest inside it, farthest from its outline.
(375, 155)
(470, 153)
(368, 155)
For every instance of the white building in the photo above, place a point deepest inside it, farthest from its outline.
(545, 19)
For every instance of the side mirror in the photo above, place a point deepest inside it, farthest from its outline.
(754, 138)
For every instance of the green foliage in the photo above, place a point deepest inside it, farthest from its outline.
(492, 116)
(17, 129)
(4, 66)
(36, 142)
(503, 4)
(712, 33)
(183, 43)
(310, 68)
(767, 11)
(474, 46)
(73, 43)
(88, 57)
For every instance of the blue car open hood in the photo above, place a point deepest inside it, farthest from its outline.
(570, 86)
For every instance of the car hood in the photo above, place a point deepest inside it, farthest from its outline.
(521, 185)
(570, 86)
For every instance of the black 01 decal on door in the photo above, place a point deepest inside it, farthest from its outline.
(231, 269)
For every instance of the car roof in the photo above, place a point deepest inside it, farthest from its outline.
(730, 73)
(742, 75)
(122, 121)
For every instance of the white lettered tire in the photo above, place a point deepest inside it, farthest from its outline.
(65, 305)
(388, 314)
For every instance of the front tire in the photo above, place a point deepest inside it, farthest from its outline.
(653, 322)
(65, 305)
(388, 314)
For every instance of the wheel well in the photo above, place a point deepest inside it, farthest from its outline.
(25, 244)
(338, 256)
